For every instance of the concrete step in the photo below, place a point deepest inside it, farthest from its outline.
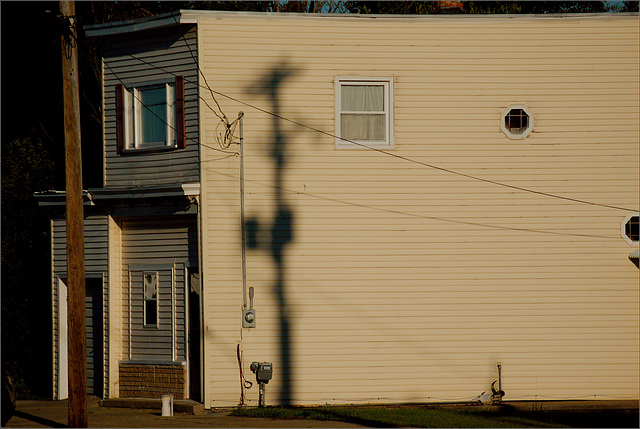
(179, 405)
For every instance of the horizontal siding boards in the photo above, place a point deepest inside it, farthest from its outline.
(154, 56)
(404, 282)
(96, 263)
(157, 243)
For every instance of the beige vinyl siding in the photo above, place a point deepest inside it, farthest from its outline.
(151, 57)
(96, 264)
(406, 282)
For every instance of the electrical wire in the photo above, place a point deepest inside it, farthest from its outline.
(163, 121)
(404, 158)
(419, 216)
(221, 138)
(381, 151)
(204, 78)
(244, 383)
(224, 139)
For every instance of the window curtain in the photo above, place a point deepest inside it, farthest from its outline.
(362, 115)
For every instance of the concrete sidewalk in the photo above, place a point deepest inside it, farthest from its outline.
(53, 414)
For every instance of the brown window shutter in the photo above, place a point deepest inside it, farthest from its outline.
(120, 117)
(180, 116)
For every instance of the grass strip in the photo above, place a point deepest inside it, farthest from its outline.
(399, 416)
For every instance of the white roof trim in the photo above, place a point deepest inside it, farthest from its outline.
(158, 21)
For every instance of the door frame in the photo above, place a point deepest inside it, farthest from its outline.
(63, 334)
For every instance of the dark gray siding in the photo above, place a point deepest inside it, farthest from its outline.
(152, 55)
(96, 265)
(166, 246)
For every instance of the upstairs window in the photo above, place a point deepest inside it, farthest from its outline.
(516, 122)
(364, 112)
(150, 116)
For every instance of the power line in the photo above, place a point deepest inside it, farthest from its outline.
(384, 152)
(204, 78)
(404, 158)
(230, 126)
(350, 203)
(163, 121)
(419, 216)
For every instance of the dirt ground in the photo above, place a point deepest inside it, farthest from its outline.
(53, 414)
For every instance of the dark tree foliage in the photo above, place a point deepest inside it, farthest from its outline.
(31, 145)
(26, 311)
(482, 7)
(392, 7)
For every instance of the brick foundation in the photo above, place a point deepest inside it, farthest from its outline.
(147, 380)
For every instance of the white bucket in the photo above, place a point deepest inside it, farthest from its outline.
(167, 405)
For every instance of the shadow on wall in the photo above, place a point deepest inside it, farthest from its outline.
(282, 228)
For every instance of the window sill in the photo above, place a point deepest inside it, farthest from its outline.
(148, 150)
(364, 146)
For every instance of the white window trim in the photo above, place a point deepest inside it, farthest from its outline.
(623, 230)
(506, 131)
(133, 109)
(388, 106)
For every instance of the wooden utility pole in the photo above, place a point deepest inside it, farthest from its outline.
(76, 310)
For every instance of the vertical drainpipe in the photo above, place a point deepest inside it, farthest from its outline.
(242, 223)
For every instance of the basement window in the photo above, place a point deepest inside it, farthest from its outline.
(629, 229)
(516, 122)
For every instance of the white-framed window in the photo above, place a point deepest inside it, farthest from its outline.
(150, 115)
(150, 310)
(629, 230)
(516, 122)
(364, 112)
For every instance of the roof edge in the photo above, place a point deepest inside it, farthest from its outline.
(188, 16)
(150, 23)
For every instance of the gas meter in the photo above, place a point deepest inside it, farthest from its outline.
(264, 372)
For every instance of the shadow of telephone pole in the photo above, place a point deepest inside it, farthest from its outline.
(282, 228)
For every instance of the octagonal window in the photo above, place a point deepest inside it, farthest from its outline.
(630, 229)
(516, 122)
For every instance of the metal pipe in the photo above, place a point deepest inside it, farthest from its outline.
(499, 378)
(242, 223)
(261, 394)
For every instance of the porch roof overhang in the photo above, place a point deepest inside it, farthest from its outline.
(91, 197)
(143, 192)
(149, 23)
(58, 198)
